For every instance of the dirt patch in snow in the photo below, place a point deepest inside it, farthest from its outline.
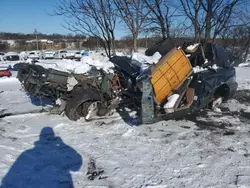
(228, 119)
(243, 96)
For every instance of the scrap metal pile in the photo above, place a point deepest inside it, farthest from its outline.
(172, 87)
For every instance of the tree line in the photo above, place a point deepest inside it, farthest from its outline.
(202, 20)
(146, 21)
(29, 36)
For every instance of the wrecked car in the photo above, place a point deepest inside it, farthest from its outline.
(79, 95)
(172, 87)
(179, 84)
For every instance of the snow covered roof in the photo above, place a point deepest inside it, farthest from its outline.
(73, 51)
(192, 47)
(80, 67)
(41, 40)
(49, 52)
(50, 41)
(30, 41)
(11, 53)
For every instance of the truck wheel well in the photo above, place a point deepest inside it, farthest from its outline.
(222, 91)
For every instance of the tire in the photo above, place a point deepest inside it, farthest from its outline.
(222, 91)
(77, 107)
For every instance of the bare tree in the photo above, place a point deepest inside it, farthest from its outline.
(4, 46)
(134, 15)
(160, 16)
(95, 18)
(208, 17)
(218, 13)
(192, 10)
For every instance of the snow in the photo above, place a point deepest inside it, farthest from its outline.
(145, 61)
(10, 42)
(214, 66)
(78, 67)
(236, 106)
(49, 52)
(43, 40)
(199, 69)
(211, 151)
(243, 77)
(140, 57)
(171, 101)
(96, 59)
(23, 55)
(11, 53)
(71, 82)
(50, 41)
(120, 53)
(192, 47)
(8, 80)
(246, 64)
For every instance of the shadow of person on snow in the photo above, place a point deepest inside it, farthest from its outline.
(48, 164)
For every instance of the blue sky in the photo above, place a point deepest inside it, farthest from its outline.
(25, 16)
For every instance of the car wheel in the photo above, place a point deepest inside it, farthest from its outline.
(222, 91)
(220, 95)
(83, 104)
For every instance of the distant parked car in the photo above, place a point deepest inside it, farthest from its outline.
(34, 55)
(5, 72)
(11, 56)
(60, 54)
(1, 56)
(48, 55)
(73, 54)
(85, 53)
(78, 56)
(23, 55)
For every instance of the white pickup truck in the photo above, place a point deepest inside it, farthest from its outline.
(60, 54)
(73, 54)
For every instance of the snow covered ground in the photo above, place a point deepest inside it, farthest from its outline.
(243, 77)
(211, 150)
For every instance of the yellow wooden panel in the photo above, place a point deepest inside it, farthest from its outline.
(174, 58)
(165, 67)
(183, 73)
(161, 84)
(179, 64)
(161, 94)
(174, 82)
(156, 77)
(164, 59)
(169, 73)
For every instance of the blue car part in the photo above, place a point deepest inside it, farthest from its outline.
(37, 101)
(147, 102)
(15, 67)
(85, 53)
